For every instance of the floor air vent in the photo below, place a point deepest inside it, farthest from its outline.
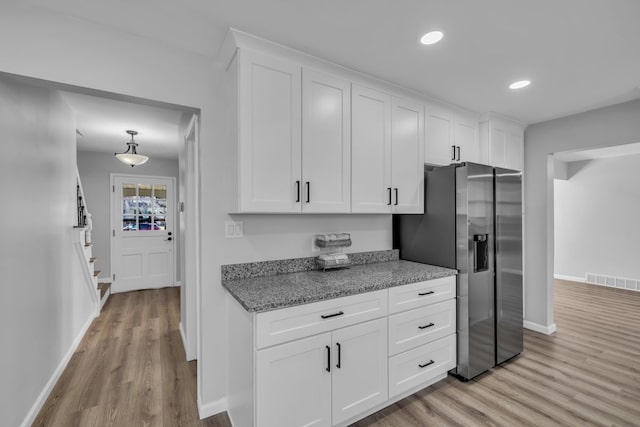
(613, 282)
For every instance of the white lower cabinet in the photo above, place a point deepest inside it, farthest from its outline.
(422, 365)
(323, 380)
(360, 371)
(333, 362)
(293, 386)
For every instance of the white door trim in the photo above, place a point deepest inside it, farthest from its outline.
(191, 275)
(113, 220)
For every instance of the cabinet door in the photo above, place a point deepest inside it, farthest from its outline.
(269, 133)
(326, 143)
(293, 384)
(466, 138)
(506, 145)
(370, 151)
(514, 150)
(439, 138)
(360, 379)
(407, 153)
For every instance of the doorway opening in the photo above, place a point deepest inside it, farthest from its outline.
(102, 119)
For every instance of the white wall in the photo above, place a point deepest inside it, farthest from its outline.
(50, 48)
(615, 125)
(45, 302)
(94, 171)
(596, 218)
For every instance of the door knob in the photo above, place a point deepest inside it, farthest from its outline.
(170, 238)
(169, 234)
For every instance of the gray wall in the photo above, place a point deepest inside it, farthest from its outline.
(596, 216)
(46, 302)
(95, 169)
(615, 125)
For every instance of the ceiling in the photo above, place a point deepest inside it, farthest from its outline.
(579, 54)
(103, 124)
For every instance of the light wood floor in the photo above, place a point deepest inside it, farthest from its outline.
(587, 373)
(130, 371)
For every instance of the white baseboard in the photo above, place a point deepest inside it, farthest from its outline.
(210, 409)
(536, 327)
(44, 394)
(569, 278)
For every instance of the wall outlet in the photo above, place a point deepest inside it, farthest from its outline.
(233, 229)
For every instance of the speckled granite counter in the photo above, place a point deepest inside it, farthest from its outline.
(266, 293)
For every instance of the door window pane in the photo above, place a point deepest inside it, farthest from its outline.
(129, 223)
(160, 223)
(160, 199)
(129, 199)
(145, 222)
(144, 198)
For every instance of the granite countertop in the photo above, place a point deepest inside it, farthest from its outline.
(273, 292)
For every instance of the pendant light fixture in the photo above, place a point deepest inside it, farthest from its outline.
(131, 157)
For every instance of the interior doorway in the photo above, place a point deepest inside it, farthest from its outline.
(142, 240)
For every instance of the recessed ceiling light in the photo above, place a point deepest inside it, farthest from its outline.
(519, 84)
(432, 37)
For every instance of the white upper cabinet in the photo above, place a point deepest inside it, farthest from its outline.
(439, 138)
(407, 154)
(294, 136)
(502, 143)
(466, 138)
(269, 133)
(451, 136)
(326, 143)
(387, 150)
(370, 151)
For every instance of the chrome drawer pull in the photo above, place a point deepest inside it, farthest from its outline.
(426, 293)
(431, 362)
(326, 316)
(426, 326)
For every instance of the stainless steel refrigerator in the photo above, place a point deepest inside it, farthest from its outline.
(473, 223)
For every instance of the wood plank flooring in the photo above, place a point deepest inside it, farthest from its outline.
(130, 371)
(586, 374)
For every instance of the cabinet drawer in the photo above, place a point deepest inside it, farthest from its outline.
(416, 327)
(421, 365)
(278, 326)
(419, 294)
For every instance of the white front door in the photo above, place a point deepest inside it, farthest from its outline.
(142, 222)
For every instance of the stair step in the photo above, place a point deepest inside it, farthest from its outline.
(96, 273)
(79, 226)
(92, 259)
(86, 245)
(103, 288)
